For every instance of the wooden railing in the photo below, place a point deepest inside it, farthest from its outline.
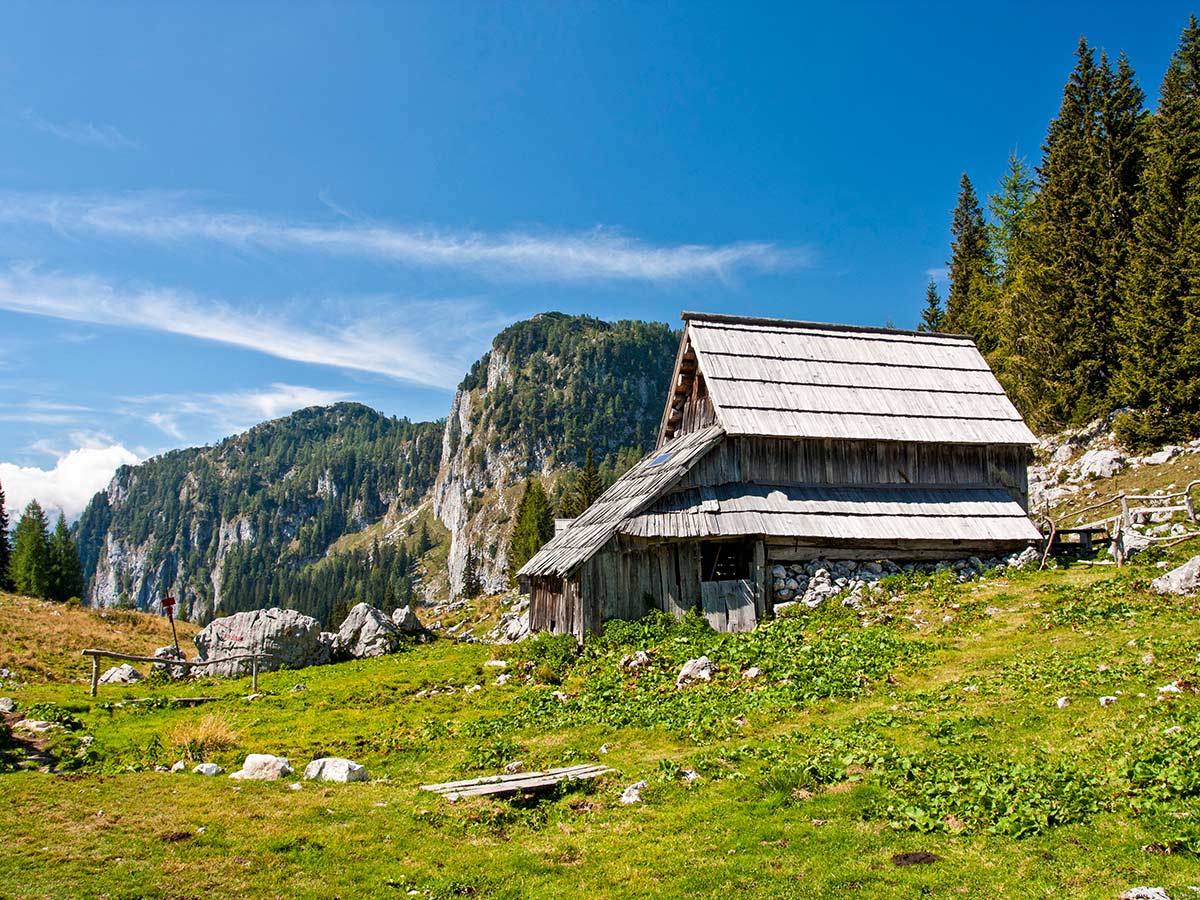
(167, 661)
(1126, 510)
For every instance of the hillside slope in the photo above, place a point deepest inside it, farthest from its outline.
(232, 526)
(933, 734)
(549, 389)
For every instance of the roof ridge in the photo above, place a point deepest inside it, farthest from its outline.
(725, 318)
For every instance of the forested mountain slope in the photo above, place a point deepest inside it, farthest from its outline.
(332, 505)
(550, 389)
(237, 526)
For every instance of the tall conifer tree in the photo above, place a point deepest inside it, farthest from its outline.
(591, 485)
(931, 315)
(970, 264)
(533, 528)
(5, 545)
(1159, 322)
(66, 574)
(29, 568)
(1087, 178)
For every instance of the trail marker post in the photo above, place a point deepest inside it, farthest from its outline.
(168, 606)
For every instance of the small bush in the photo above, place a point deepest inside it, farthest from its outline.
(199, 739)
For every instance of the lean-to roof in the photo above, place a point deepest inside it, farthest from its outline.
(631, 493)
(779, 378)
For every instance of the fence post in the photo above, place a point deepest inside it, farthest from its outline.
(95, 674)
(254, 673)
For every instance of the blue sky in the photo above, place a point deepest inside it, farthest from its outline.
(216, 213)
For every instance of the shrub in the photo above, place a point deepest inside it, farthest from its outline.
(199, 739)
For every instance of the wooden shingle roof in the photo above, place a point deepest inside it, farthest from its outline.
(822, 512)
(778, 378)
(630, 494)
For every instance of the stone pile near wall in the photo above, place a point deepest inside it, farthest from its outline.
(811, 584)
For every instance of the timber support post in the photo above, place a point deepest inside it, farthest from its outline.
(254, 673)
(95, 675)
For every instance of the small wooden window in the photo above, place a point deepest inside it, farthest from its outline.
(725, 560)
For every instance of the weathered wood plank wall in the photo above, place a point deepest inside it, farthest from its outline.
(829, 461)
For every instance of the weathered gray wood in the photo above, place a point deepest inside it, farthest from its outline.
(516, 783)
(712, 602)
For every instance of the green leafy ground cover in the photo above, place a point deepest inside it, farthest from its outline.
(934, 730)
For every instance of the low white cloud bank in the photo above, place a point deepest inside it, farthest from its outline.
(76, 476)
(595, 254)
(415, 342)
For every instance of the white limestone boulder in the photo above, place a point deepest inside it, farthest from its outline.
(122, 674)
(263, 767)
(367, 632)
(1184, 581)
(695, 671)
(284, 637)
(334, 768)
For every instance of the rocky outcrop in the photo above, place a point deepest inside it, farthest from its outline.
(405, 619)
(284, 637)
(695, 671)
(367, 632)
(1183, 581)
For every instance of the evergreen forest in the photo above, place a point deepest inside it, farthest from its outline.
(1080, 281)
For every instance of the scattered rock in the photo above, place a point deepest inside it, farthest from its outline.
(263, 767)
(1183, 581)
(180, 766)
(751, 673)
(286, 639)
(561, 697)
(334, 768)
(406, 620)
(1172, 688)
(1174, 729)
(1145, 893)
(1062, 702)
(1101, 464)
(170, 653)
(634, 661)
(696, 670)
(1165, 455)
(514, 767)
(297, 688)
(633, 793)
(122, 674)
(37, 726)
(209, 769)
(914, 858)
(367, 632)
(496, 664)
(8, 706)
(1107, 701)
(501, 679)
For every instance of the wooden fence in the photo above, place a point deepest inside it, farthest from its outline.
(97, 655)
(1126, 511)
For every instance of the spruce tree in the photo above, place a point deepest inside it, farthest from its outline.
(534, 526)
(1089, 172)
(970, 264)
(1159, 323)
(472, 586)
(66, 574)
(591, 485)
(5, 545)
(29, 568)
(931, 315)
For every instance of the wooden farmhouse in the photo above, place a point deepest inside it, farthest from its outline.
(784, 441)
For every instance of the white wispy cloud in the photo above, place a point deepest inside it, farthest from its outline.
(89, 133)
(229, 411)
(596, 254)
(69, 484)
(416, 342)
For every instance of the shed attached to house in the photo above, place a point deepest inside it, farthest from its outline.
(785, 441)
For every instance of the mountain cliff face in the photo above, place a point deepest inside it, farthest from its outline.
(233, 526)
(550, 388)
(332, 505)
